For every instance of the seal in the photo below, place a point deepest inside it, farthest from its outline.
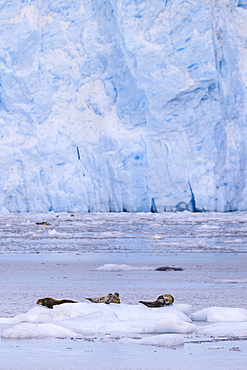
(50, 302)
(161, 301)
(109, 298)
(168, 268)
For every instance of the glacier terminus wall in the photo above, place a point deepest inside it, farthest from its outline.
(123, 105)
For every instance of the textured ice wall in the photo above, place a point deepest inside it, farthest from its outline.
(125, 105)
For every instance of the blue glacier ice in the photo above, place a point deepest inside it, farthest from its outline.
(127, 105)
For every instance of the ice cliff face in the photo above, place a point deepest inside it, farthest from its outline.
(127, 105)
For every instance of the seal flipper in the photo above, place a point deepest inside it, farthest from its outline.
(153, 304)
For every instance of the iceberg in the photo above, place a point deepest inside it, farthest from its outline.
(122, 106)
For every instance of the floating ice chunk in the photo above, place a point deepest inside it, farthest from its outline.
(232, 281)
(208, 226)
(236, 329)
(56, 234)
(164, 340)
(53, 232)
(81, 319)
(220, 314)
(123, 267)
(27, 330)
(156, 237)
(110, 234)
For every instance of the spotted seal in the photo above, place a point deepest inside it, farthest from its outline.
(109, 298)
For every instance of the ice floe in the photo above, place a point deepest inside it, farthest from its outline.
(73, 320)
(223, 329)
(220, 314)
(165, 326)
(123, 267)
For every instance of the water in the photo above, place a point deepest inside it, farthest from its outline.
(61, 260)
(124, 233)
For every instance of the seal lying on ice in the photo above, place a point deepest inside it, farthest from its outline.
(161, 301)
(109, 298)
(50, 302)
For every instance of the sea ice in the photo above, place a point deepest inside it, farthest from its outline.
(123, 321)
(80, 319)
(218, 314)
(223, 329)
(123, 267)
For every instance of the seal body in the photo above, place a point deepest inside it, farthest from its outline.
(109, 298)
(161, 301)
(50, 302)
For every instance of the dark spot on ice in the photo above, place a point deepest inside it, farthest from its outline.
(168, 268)
(43, 223)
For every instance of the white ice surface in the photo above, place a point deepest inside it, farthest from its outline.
(223, 329)
(122, 320)
(123, 267)
(80, 319)
(123, 105)
(219, 314)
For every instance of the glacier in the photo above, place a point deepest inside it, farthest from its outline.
(123, 106)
